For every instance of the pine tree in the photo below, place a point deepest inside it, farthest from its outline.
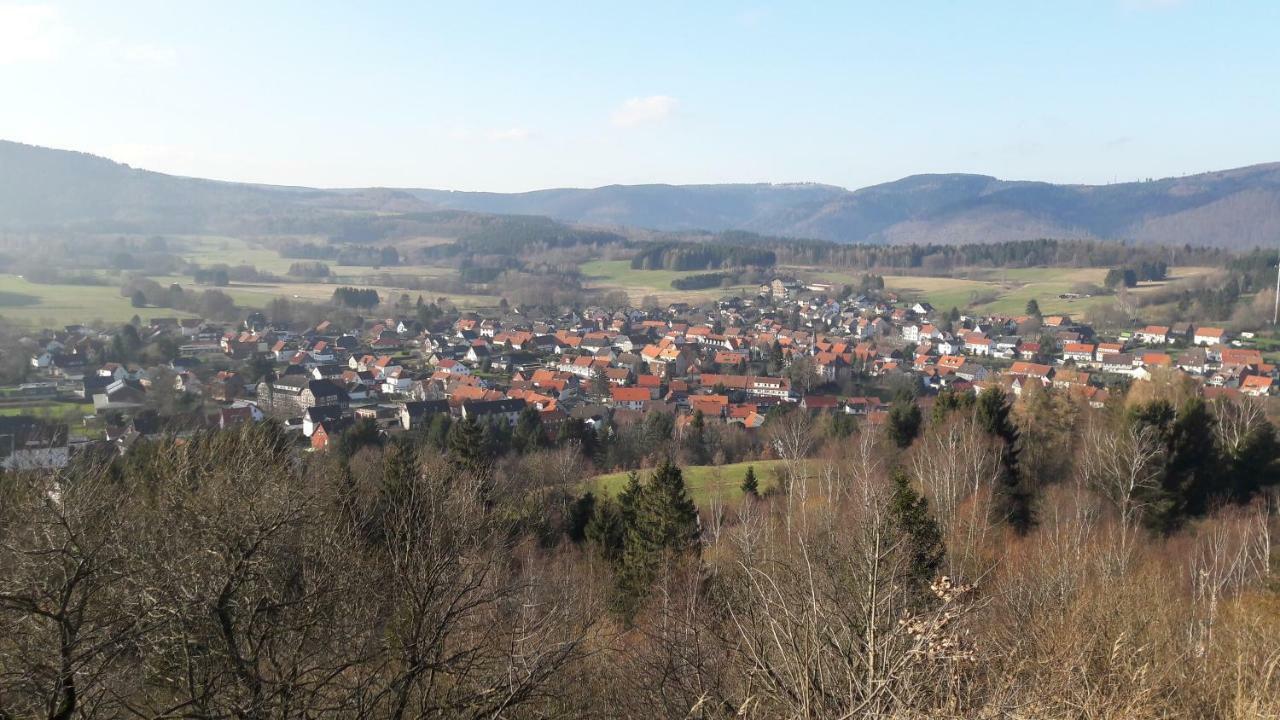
(904, 421)
(1033, 308)
(1015, 500)
(750, 486)
(920, 536)
(528, 433)
(662, 528)
(466, 446)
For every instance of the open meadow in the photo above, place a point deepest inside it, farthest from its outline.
(705, 482)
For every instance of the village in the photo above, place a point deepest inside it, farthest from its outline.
(729, 362)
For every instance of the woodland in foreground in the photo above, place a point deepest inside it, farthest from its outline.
(1028, 559)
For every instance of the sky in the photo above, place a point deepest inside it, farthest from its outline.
(513, 96)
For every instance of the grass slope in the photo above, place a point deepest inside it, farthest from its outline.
(704, 481)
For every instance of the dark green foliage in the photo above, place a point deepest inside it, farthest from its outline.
(312, 269)
(1033, 308)
(466, 446)
(1117, 277)
(920, 538)
(1189, 479)
(703, 281)
(364, 433)
(657, 430)
(701, 256)
(843, 425)
(581, 514)
(606, 529)
(360, 298)
(1015, 499)
(437, 433)
(573, 430)
(1254, 466)
(904, 421)
(219, 277)
(750, 486)
(661, 526)
(695, 439)
(949, 400)
(528, 433)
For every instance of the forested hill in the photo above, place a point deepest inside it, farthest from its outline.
(1232, 208)
(43, 188)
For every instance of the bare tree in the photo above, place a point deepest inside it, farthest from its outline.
(958, 466)
(1122, 465)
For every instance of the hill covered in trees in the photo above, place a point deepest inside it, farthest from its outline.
(1240, 208)
(1231, 208)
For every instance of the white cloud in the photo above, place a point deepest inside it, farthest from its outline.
(644, 110)
(31, 33)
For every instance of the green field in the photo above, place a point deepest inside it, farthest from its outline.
(55, 305)
(992, 290)
(618, 275)
(704, 481)
(1011, 288)
(70, 412)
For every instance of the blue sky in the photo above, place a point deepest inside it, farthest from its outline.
(516, 96)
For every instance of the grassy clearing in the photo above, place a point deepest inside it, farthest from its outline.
(68, 412)
(618, 275)
(1011, 288)
(55, 305)
(705, 482)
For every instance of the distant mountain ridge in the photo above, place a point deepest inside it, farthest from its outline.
(44, 188)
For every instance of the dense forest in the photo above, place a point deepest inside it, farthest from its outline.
(701, 256)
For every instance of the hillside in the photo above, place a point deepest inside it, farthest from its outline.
(1231, 208)
(43, 188)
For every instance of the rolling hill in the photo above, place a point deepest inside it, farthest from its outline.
(44, 188)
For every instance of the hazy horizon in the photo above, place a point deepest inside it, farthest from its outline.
(557, 96)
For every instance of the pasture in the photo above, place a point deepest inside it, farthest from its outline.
(705, 482)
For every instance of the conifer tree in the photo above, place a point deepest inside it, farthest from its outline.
(904, 421)
(920, 536)
(751, 486)
(467, 445)
(1015, 499)
(528, 432)
(662, 527)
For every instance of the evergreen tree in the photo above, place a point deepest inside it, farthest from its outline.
(581, 513)
(437, 433)
(750, 486)
(1015, 500)
(662, 527)
(528, 433)
(1033, 308)
(606, 529)
(467, 446)
(1253, 466)
(904, 421)
(920, 536)
(364, 433)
